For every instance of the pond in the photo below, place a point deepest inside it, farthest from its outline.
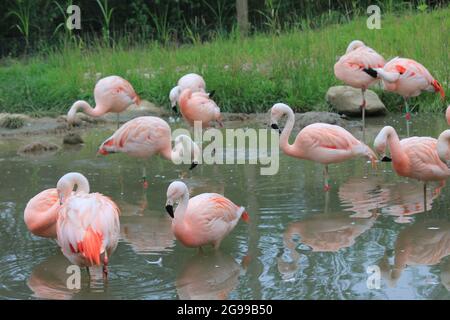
(299, 243)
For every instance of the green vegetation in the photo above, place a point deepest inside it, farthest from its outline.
(248, 74)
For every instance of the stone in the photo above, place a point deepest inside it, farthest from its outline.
(72, 139)
(347, 100)
(305, 119)
(38, 147)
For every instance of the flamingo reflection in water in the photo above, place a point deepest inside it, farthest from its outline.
(406, 199)
(209, 277)
(423, 243)
(48, 279)
(325, 232)
(363, 196)
(146, 231)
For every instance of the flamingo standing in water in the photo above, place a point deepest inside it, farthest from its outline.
(144, 137)
(350, 69)
(111, 94)
(204, 219)
(88, 226)
(408, 78)
(319, 142)
(191, 81)
(420, 158)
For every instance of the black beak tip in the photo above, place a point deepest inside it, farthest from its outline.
(174, 109)
(212, 93)
(371, 72)
(386, 159)
(193, 165)
(169, 210)
(275, 127)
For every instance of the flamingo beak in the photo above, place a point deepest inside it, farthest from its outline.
(193, 165)
(169, 209)
(174, 109)
(211, 94)
(102, 151)
(275, 127)
(386, 159)
(374, 163)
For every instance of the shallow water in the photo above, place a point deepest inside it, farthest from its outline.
(299, 243)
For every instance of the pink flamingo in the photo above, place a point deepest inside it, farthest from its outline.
(41, 213)
(204, 219)
(191, 81)
(350, 69)
(447, 115)
(416, 157)
(407, 78)
(144, 137)
(111, 94)
(319, 142)
(88, 226)
(198, 106)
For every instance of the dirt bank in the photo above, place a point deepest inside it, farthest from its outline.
(59, 126)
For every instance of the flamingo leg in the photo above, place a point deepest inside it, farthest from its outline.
(105, 266)
(425, 197)
(118, 122)
(326, 186)
(144, 178)
(88, 272)
(407, 116)
(363, 111)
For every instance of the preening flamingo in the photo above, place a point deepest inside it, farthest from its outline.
(350, 69)
(407, 78)
(319, 142)
(111, 94)
(198, 106)
(204, 219)
(191, 81)
(416, 157)
(88, 226)
(144, 137)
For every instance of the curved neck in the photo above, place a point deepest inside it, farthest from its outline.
(68, 182)
(443, 146)
(182, 207)
(284, 138)
(390, 135)
(83, 105)
(184, 97)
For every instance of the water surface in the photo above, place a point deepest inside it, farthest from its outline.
(299, 244)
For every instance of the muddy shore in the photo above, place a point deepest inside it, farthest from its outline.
(32, 127)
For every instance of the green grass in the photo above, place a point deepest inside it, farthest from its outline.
(248, 74)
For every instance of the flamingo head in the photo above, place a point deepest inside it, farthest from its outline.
(185, 147)
(106, 147)
(355, 44)
(67, 183)
(276, 113)
(173, 97)
(380, 144)
(175, 192)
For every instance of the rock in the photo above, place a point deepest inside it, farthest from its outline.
(38, 147)
(12, 121)
(304, 119)
(347, 100)
(72, 139)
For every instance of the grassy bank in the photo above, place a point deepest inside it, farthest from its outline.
(248, 75)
